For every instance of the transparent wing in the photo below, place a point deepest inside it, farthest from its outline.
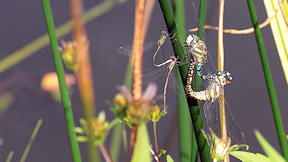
(211, 111)
(178, 88)
(233, 129)
(152, 74)
(200, 27)
(127, 50)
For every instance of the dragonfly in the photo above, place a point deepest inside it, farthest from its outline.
(197, 48)
(153, 75)
(211, 95)
(127, 50)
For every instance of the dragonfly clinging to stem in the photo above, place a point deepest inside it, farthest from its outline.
(198, 48)
(216, 83)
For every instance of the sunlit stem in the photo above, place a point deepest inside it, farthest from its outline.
(221, 68)
(155, 137)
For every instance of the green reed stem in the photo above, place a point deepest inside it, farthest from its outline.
(32, 138)
(61, 76)
(192, 103)
(10, 155)
(184, 119)
(269, 81)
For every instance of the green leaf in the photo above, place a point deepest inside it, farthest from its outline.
(268, 149)
(142, 145)
(169, 158)
(249, 156)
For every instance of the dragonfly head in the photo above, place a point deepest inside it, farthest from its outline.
(224, 77)
(192, 40)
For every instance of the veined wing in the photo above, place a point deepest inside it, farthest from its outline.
(127, 50)
(152, 74)
(233, 129)
(200, 26)
(211, 111)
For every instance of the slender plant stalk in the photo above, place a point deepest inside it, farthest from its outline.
(220, 36)
(84, 74)
(138, 58)
(221, 68)
(192, 103)
(61, 76)
(138, 49)
(269, 81)
(10, 155)
(125, 142)
(155, 137)
(33, 136)
(105, 153)
(65, 28)
(116, 141)
(149, 6)
(184, 119)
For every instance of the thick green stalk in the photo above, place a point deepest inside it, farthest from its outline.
(184, 126)
(61, 76)
(192, 103)
(269, 81)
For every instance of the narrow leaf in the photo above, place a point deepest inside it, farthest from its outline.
(269, 149)
(142, 145)
(249, 156)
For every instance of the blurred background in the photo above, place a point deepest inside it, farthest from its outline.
(23, 21)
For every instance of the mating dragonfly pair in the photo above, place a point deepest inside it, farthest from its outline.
(216, 81)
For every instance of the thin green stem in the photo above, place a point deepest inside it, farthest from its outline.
(125, 142)
(61, 76)
(192, 103)
(155, 137)
(33, 136)
(269, 81)
(10, 155)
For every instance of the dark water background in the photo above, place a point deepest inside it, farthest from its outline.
(23, 21)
